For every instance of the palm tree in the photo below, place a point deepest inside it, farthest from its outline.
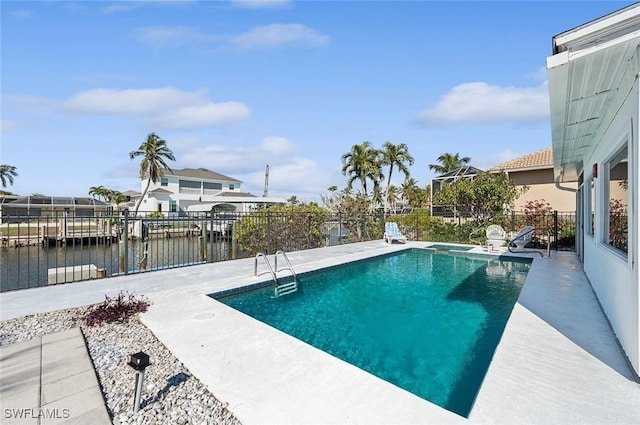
(398, 156)
(409, 190)
(376, 195)
(99, 192)
(111, 196)
(392, 196)
(7, 173)
(449, 162)
(153, 151)
(362, 163)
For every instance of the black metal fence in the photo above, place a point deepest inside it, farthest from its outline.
(38, 251)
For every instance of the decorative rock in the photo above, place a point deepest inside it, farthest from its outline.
(171, 393)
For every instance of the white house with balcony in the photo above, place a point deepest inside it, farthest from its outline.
(594, 97)
(199, 190)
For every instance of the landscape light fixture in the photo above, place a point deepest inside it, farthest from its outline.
(139, 362)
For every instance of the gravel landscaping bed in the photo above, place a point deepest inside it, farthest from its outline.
(171, 394)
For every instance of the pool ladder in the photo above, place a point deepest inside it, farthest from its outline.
(279, 289)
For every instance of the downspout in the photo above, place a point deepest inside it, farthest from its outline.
(568, 189)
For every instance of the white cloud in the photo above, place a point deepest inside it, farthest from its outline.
(276, 35)
(297, 177)
(173, 36)
(22, 14)
(28, 104)
(540, 74)
(119, 7)
(7, 125)
(260, 4)
(482, 103)
(240, 159)
(289, 174)
(123, 6)
(167, 106)
(301, 177)
(278, 146)
(485, 162)
(206, 115)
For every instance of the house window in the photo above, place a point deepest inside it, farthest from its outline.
(190, 187)
(617, 185)
(231, 186)
(159, 207)
(173, 207)
(164, 181)
(590, 206)
(212, 186)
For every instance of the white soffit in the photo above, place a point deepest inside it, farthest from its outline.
(585, 75)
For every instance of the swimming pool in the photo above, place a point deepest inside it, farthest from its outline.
(426, 322)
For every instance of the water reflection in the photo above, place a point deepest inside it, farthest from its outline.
(27, 266)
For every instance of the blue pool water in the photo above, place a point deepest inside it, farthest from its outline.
(424, 321)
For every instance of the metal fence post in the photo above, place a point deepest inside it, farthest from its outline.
(555, 229)
(123, 246)
(211, 236)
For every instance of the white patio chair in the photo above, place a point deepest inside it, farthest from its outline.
(392, 233)
(496, 237)
(522, 238)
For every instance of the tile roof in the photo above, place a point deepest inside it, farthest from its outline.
(540, 159)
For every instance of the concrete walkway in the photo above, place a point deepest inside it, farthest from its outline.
(50, 380)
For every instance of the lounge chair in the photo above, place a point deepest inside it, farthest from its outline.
(496, 237)
(392, 233)
(522, 238)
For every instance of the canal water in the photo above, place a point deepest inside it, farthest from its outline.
(29, 266)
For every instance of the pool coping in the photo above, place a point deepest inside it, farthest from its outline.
(267, 376)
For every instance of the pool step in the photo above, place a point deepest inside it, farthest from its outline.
(286, 288)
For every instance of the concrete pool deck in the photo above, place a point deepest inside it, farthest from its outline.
(558, 360)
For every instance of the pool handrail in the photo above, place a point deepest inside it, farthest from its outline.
(289, 266)
(279, 289)
(266, 261)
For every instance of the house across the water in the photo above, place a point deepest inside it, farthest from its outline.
(189, 190)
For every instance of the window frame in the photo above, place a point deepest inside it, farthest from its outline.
(620, 243)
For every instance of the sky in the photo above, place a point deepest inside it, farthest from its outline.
(234, 86)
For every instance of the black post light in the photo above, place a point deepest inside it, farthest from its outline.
(139, 362)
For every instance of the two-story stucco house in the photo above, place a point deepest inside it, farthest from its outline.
(196, 190)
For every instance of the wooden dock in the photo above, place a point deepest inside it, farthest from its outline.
(94, 232)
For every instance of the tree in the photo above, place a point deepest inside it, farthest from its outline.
(7, 173)
(409, 191)
(354, 213)
(392, 196)
(395, 156)
(362, 163)
(449, 162)
(154, 152)
(282, 227)
(108, 195)
(483, 198)
(99, 192)
(293, 200)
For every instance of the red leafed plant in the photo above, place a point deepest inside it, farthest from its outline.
(117, 309)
